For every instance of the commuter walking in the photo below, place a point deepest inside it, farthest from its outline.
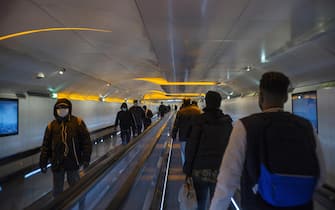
(162, 110)
(67, 145)
(125, 120)
(204, 150)
(138, 114)
(274, 155)
(183, 124)
(147, 117)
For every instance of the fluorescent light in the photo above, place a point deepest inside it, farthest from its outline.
(26, 176)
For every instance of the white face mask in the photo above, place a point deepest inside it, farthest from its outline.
(124, 109)
(62, 112)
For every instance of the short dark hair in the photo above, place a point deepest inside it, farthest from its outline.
(213, 99)
(186, 101)
(275, 83)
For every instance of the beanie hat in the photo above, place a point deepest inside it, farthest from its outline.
(213, 99)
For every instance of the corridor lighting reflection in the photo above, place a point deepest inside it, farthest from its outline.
(235, 204)
(26, 176)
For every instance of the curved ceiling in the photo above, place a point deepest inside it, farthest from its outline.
(174, 40)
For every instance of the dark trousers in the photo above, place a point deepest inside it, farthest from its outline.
(204, 191)
(58, 180)
(146, 123)
(137, 130)
(125, 136)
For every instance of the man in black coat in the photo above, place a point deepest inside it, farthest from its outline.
(138, 114)
(67, 145)
(205, 148)
(125, 120)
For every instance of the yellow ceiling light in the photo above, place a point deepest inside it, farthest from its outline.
(79, 97)
(114, 100)
(186, 94)
(161, 81)
(23, 33)
(159, 95)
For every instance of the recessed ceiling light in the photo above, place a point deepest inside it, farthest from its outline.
(40, 75)
(61, 72)
(108, 84)
(248, 68)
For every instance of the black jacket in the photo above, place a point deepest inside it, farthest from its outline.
(124, 119)
(138, 114)
(66, 143)
(208, 141)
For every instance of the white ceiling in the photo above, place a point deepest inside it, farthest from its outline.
(179, 40)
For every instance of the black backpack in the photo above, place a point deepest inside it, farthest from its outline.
(288, 161)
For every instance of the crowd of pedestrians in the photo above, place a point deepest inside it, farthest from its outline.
(274, 157)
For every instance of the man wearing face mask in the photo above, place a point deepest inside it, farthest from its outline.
(125, 120)
(67, 145)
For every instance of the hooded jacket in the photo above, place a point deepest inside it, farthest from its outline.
(124, 118)
(66, 142)
(208, 140)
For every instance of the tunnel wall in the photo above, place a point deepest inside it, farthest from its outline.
(36, 112)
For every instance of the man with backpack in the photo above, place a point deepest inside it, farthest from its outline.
(274, 155)
(205, 147)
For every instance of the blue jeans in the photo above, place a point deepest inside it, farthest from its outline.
(182, 151)
(203, 190)
(58, 180)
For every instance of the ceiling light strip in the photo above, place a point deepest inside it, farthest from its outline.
(23, 33)
(161, 81)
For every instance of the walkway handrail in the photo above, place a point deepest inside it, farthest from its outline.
(75, 193)
(30, 152)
